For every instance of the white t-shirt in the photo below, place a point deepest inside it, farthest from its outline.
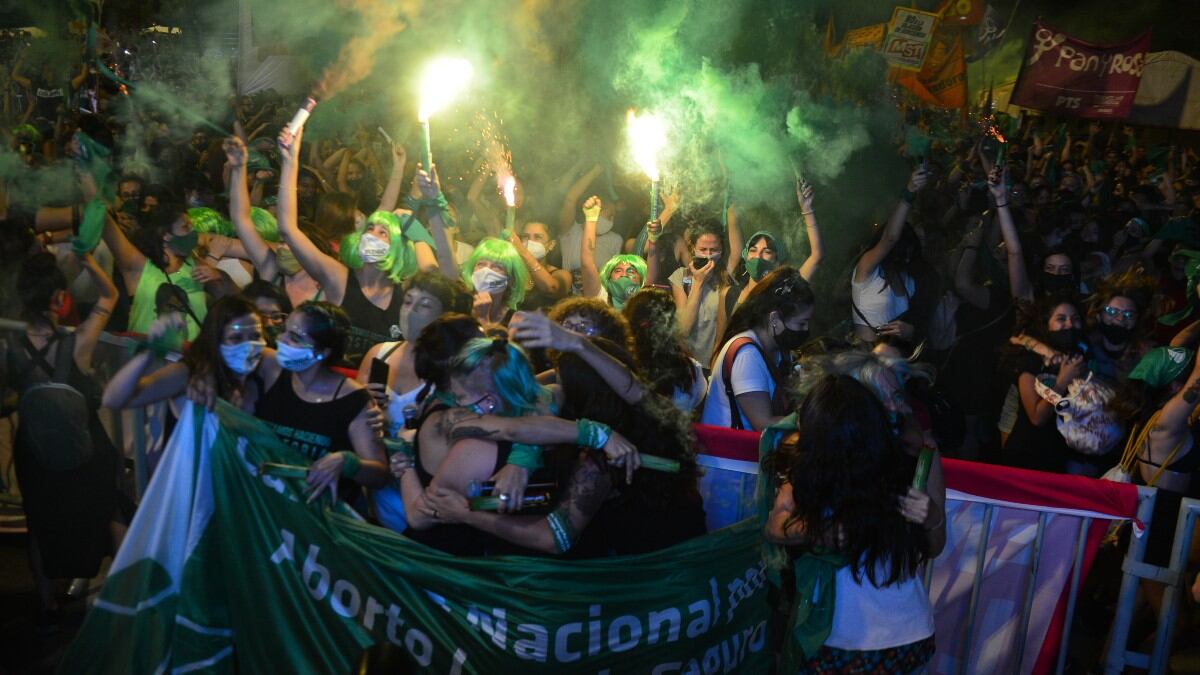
(877, 301)
(750, 373)
(607, 245)
(867, 618)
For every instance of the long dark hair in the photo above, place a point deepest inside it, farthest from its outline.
(906, 258)
(659, 352)
(783, 290)
(847, 471)
(653, 425)
(203, 356)
(150, 238)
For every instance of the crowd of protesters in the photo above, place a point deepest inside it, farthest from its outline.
(1036, 310)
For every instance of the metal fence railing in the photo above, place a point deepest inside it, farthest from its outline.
(1173, 576)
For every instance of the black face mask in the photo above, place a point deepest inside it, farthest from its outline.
(1057, 283)
(1066, 340)
(1117, 335)
(790, 339)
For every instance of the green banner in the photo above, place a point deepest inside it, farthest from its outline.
(226, 570)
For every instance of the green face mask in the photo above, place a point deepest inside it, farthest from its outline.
(758, 268)
(620, 290)
(183, 246)
(286, 261)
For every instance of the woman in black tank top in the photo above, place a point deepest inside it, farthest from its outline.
(315, 410)
(372, 261)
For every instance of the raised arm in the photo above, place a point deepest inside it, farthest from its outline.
(894, 228)
(1172, 423)
(239, 211)
(391, 193)
(566, 212)
(816, 253)
(430, 188)
(964, 272)
(588, 271)
(329, 273)
(89, 331)
(736, 239)
(1018, 276)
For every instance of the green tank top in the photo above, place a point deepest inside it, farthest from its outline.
(144, 309)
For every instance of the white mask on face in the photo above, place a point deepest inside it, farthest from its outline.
(372, 249)
(536, 249)
(488, 280)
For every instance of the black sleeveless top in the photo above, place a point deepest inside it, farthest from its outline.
(315, 429)
(455, 538)
(369, 325)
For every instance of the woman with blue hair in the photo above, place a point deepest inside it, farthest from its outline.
(500, 280)
(373, 261)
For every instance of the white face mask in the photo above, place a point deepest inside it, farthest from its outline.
(536, 249)
(296, 359)
(488, 280)
(372, 249)
(243, 357)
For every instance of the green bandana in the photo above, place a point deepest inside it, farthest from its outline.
(620, 290)
(1161, 365)
(183, 246)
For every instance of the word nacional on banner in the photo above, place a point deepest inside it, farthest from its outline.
(1066, 75)
(907, 42)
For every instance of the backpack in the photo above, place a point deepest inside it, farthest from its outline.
(54, 415)
(735, 413)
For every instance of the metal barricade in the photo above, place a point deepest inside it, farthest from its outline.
(1174, 576)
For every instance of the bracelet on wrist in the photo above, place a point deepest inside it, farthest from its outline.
(908, 196)
(1001, 206)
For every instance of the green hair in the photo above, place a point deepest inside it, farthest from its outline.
(401, 260)
(208, 221)
(638, 262)
(504, 254)
(265, 224)
(511, 373)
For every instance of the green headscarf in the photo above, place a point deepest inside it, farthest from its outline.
(754, 267)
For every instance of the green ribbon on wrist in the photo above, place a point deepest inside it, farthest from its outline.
(591, 434)
(350, 464)
(525, 456)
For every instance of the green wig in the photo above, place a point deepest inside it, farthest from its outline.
(265, 224)
(511, 372)
(609, 285)
(504, 254)
(401, 260)
(208, 221)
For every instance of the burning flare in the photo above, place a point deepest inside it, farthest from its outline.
(510, 191)
(444, 79)
(647, 137)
